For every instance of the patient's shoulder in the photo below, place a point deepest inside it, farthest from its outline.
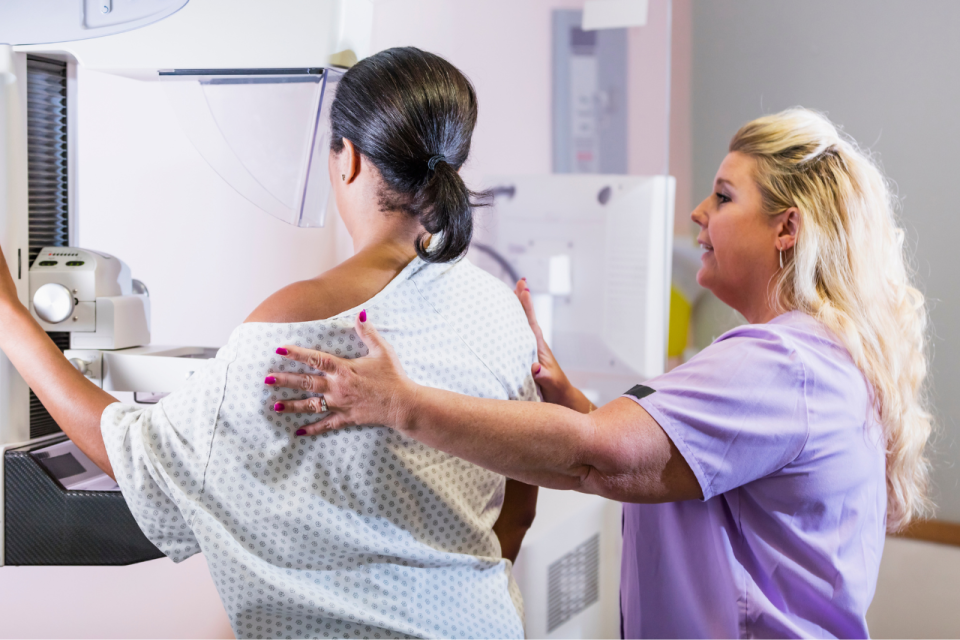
(303, 301)
(347, 285)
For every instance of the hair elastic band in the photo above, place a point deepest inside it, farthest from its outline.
(432, 162)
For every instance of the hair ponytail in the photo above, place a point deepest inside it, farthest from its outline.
(412, 114)
(444, 206)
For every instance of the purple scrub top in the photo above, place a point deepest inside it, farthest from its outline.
(776, 422)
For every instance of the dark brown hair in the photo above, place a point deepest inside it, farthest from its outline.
(401, 108)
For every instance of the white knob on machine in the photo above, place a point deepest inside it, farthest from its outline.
(53, 303)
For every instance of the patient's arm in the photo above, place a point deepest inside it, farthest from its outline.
(75, 403)
(516, 516)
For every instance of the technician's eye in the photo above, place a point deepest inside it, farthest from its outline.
(721, 198)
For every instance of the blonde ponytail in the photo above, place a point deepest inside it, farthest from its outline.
(848, 270)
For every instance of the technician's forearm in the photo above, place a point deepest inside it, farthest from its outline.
(536, 443)
(618, 451)
(73, 401)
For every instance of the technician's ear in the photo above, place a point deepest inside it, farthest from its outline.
(789, 228)
(349, 162)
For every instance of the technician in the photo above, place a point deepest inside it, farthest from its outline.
(759, 478)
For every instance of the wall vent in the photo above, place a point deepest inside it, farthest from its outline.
(573, 583)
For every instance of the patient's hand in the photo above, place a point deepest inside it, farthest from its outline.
(554, 385)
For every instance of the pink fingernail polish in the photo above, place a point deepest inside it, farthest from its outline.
(524, 279)
(363, 315)
(269, 380)
(539, 367)
(301, 432)
(281, 351)
(278, 406)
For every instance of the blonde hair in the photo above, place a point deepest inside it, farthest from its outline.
(849, 271)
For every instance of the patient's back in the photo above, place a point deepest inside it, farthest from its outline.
(359, 532)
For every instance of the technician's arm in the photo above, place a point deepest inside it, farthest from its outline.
(617, 451)
(74, 402)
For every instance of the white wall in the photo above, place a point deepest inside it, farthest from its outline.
(886, 71)
(917, 594)
(156, 599)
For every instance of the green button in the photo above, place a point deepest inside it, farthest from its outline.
(75, 263)
(50, 263)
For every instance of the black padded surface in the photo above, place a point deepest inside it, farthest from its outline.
(47, 525)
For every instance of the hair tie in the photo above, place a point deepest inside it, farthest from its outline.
(432, 162)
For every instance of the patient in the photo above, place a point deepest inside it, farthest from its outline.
(363, 532)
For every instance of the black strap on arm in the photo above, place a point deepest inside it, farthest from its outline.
(640, 391)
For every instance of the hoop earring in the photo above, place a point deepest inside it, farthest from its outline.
(781, 259)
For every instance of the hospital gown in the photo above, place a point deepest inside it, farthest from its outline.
(356, 533)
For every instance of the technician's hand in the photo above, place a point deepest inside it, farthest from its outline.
(369, 390)
(554, 385)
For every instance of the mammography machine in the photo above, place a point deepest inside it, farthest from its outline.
(596, 252)
(224, 85)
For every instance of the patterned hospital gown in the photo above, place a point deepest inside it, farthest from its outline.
(357, 533)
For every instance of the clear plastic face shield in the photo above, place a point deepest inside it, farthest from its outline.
(266, 132)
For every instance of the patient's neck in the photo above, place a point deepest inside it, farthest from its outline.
(389, 242)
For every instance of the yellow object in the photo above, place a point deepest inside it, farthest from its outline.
(680, 311)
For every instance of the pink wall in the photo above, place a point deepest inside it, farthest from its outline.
(504, 47)
(681, 122)
(648, 89)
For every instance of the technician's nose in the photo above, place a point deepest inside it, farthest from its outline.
(699, 215)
